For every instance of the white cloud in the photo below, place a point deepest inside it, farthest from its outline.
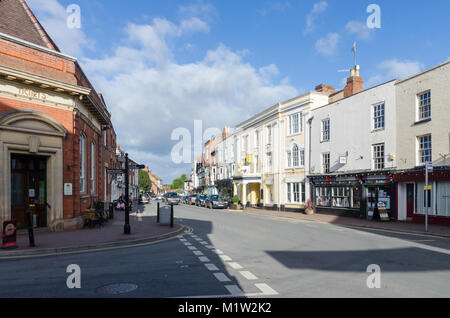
(359, 29)
(277, 6)
(317, 9)
(394, 69)
(328, 45)
(149, 93)
(53, 17)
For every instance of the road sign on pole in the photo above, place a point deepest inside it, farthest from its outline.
(428, 167)
(115, 171)
(139, 167)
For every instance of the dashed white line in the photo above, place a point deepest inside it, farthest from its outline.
(266, 289)
(221, 277)
(211, 267)
(225, 258)
(234, 265)
(248, 275)
(198, 253)
(210, 247)
(204, 259)
(218, 252)
(192, 248)
(234, 290)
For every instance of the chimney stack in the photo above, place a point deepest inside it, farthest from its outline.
(354, 83)
(324, 88)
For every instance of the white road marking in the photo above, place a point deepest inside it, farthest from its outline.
(203, 243)
(234, 265)
(234, 290)
(221, 277)
(198, 239)
(198, 253)
(248, 275)
(204, 259)
(225, 258)
(187, 243)
(218, 252)
(211, 267)
(210, 247)
(192, 248)
(266, 289)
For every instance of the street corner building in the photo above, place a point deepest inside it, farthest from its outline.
(56, 135)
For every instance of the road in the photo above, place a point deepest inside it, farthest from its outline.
(245, 255)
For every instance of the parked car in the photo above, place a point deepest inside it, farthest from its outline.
(200, 201)
(154, 197)
(216, 202)
(145, 199)
(172, 198)
(192, 199)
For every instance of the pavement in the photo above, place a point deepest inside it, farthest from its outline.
(406, 227)
(144, 229)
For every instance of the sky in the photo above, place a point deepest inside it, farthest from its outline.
(161, 64)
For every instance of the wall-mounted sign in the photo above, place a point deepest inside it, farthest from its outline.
(67, 188)
(343, 160)
(32, 93)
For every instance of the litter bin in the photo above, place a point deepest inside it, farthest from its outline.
(164, 215)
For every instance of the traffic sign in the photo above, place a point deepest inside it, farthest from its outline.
(115, 171)
(136, 167)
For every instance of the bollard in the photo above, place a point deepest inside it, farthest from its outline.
(171, 215)
(30, 228)
(157, 212)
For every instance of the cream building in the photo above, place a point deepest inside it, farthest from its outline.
(423, 136)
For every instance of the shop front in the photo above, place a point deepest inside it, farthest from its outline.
(361, 195)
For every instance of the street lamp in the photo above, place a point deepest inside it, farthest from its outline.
(126, 227)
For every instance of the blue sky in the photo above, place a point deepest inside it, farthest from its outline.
(162, 64)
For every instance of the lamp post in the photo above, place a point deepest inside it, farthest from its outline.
(126, 227)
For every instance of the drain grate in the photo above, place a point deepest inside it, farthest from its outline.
(117, 289)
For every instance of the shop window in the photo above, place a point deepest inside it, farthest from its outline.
(323, 196)
(341, 197)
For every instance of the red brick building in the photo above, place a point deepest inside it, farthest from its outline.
(56, 135)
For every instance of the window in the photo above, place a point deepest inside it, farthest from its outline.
(289, 159)
(425, 149)
(295, 124)
(425, 105)
(326, 130)
(302, 157)
(295, 192)
(295, 156)
(326, 162)
(104, 139)
(378, 156)
(378, 116)
(93, 168)
(269, 135)
(82, 164)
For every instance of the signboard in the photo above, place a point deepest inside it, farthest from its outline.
(384, 215)
(67, 188)
(9, 234)
(136, 167)
(343, 160)
(115, 171)
(428, 187)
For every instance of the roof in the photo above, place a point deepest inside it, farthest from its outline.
(17, 20)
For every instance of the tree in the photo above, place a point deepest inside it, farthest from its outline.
(178, 183)
(144, 182)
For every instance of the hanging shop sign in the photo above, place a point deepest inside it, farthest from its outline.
(9, 234)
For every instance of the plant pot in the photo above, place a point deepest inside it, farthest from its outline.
(309, 211)
(236, 206)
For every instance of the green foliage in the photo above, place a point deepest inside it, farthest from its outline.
(144, 182)
(178, 183)
(235, 199)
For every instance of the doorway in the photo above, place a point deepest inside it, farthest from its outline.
(410, 200)
(28, 189)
